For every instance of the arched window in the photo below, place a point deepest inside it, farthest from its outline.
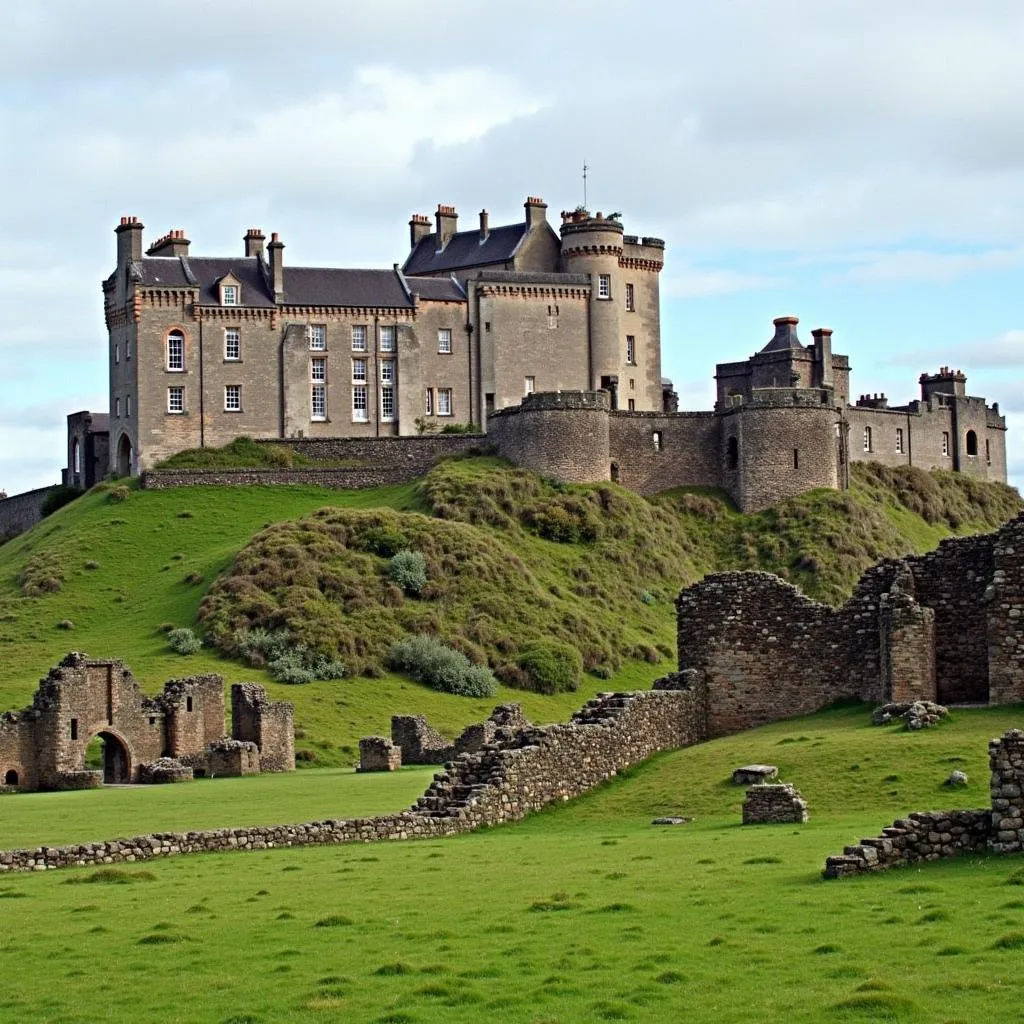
(867, 439)
(76, 456)
(175, 350)
(733, 453)
(972, 443)
(11, 778)
(656, 440)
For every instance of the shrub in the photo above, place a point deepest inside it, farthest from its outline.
(438, 666)
(286, 661)
(65, 624)
(193, 579)
(260, 646)
(119, 494)
(460, 428)
(92, 564)
(409, 570)
(58, 497)
(290, 667)
(183, 641)
(551, 667)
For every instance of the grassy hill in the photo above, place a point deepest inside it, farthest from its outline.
(511, 558)
(581, 913)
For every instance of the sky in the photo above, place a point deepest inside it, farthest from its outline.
(856, 163)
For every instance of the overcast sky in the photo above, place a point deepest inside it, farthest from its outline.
(857, 163)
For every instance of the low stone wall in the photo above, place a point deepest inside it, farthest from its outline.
(378, 754)
(334, 479)
(22, 511)
(774, 804)
(502, 782)
(421, 743)
(931, 835)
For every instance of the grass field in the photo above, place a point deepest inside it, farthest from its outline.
(581, 913)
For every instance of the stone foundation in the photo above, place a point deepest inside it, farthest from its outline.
(378, 754)
(164, 769)
(774, 804)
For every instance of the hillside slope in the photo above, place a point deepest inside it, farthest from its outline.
(516, 558)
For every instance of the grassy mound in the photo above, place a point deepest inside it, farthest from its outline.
(513, 559)
(245, 453)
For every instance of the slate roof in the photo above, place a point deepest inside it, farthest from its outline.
(303, 286)
(464, 249)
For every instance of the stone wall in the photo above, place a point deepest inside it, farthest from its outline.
(502, 782)
(421, 743)
(269, 724)
(774, 803)
(20, 512)
(378, 754)
(931, 835)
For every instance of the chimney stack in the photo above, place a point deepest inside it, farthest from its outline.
(536, 212)
(276, 251)
(174, 243)
(129, 241)
(484, 226)
(419, 227)
(254, 239)
(447, 224)
(823, 356)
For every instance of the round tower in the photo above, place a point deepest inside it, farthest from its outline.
(593, 246)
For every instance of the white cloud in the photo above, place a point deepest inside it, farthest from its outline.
(697, 283)
(925, 265)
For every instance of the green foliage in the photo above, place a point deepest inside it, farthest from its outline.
(550, 667)
(183, 641)
(286, 661)
(43, 574)
(408, 569)
(460, 428)
(430, 662)
(119, 494)
(58, 497)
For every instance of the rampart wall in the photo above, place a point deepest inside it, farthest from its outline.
(502, 782)
(21, 511)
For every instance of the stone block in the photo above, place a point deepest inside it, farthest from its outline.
(378, 754)
(752, 774)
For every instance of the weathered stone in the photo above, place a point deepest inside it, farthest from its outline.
(751, 774)
(774, 804)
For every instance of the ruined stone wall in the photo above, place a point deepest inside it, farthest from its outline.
(419, 741)
(1004, 602)
(655, 451)
(503, 782)
(20, 512)
(270, 724)
(194, 713)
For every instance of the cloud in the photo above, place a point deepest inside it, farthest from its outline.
(925, 265)
(1000, 352)
(696, 283)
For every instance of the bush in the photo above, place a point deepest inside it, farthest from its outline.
(460, 428)
(286, 661)
(409, 570)
(65, 624)
(432, 663)
(290, 667)
(58, 497)
(551, 667)
(183, 641)
(119, 494)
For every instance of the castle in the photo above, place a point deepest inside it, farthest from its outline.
(550, 342)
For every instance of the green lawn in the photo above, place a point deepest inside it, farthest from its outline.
(581, 913)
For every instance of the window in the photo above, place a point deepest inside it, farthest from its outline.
(631, 350)
(176, 399)
(656, 440)
(229, 295)
(487, 327)
(387, 339)
(359, 370)
(176, 351)
(444, 401)
(899, 440)
(317, 337)
(796, 458)
(945, 442)
(733, 453)
(358, 339)
(867, 439)
(359, 409)
(117, 353)
(188, 703)
(444, 341)
(128, 406)
(529, 385)
(988, 452)
(117, 407)
(318, 402)
(128, 350)
(604, 286)
(631, 405)
(428, 405)
(232, 343)
(74, 728)
(972, 443)
(76, 456)
(387, 386)
(318, 370)
(632, 384)
(232, 397)
(630, 299)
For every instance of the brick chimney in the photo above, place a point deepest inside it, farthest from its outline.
(254, 239)
(536, 212)
(823, 356)
(419, 227)
(485, 228)
(174, 243)
(276, 251)
(129, 240)
(447, 224)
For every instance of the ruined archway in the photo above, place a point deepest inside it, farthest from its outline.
(111, 756)
(124, 456)
(11, 778)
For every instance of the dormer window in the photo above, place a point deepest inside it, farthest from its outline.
(229, 295)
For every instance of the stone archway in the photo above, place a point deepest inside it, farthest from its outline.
(125, 456)
(116, 760)
(11, 778)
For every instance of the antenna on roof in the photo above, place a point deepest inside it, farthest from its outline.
(585, 169)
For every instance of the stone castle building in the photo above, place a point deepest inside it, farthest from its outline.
(549, 341)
